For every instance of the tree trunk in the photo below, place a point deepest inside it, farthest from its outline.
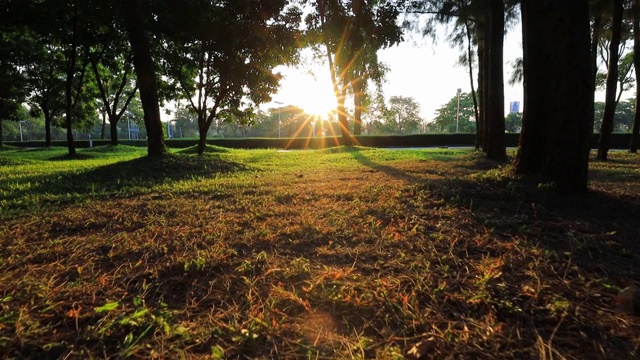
(558, 83)
(612, 80)
(486, 73)
(113, 124)
(495, 141)
(1, 137)
(47, 129)
(470, 58)
(595, 41)
(481, 94)
(202, 140)
(145, 71)
(635, 132)
(342, 118)
(357, 103)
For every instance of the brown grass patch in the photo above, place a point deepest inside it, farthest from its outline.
(444, 259)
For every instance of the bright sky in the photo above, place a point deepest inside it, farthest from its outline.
(426, 71)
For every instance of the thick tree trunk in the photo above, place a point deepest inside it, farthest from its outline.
(635, 132)
(612, 80)
(495, 140)
(202, 140)
(204, 123)
(1, 135)
(202, 143)
(145, 71)
(558, 83)
(113, 124)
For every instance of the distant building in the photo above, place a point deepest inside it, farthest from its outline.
(514, 107)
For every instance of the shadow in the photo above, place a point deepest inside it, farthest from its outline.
(614, 175)
(125, 177)
(361, 157)
(77, 156)
(599, 230)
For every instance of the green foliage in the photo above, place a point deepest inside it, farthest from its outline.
(224, 77)
(403, 115)
(13, 85)
(348, 35)
(513, 123)
(626, 78)
(622, 120)
(445, 120)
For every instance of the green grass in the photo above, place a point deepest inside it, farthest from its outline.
(341, 253)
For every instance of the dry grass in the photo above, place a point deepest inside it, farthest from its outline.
(335, 254)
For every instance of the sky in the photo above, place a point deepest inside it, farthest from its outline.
(420, 68)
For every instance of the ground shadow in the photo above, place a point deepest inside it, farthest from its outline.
(362, 158)
(125, 177)
(599, 230)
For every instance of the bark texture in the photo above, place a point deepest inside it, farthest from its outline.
(145, 72)
(558, 96)
(495, 138)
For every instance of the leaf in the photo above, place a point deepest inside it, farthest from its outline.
(217, 352)
(139, 313)
(107, 307)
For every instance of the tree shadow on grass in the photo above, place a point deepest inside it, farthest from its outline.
(580, 250)
(599, 230)
(122, 178)
(362, 158)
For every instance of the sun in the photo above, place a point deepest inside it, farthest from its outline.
(312, 93)
(316, 100)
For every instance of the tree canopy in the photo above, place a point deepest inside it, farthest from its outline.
(446, 116)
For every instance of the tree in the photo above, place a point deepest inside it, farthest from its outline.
(495, 143)
(112, 67)
(622, 120)
(448, 119)
(625, 76)
(136, 21)
(70, 36)
(481, 22)
(374, 28)
(558, 93)
(46, 85)
(403, 115)
(513, 123)
(612, 80)
(224, 78)
(348, 33)
(13, 89)
(186, 122)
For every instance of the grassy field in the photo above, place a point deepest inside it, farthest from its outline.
(340, 253)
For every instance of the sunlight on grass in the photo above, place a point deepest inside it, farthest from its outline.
(342, 253)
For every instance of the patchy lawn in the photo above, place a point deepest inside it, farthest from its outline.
(341, 253)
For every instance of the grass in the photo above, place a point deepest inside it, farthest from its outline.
(343, 253)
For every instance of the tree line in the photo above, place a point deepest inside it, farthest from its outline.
(220, 56)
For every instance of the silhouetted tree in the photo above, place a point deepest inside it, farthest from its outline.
(558, 96)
